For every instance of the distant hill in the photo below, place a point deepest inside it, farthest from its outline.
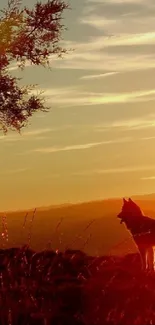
(104, 235)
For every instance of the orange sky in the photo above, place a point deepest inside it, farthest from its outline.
(98, 139)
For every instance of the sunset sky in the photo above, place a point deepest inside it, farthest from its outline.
(98, 140)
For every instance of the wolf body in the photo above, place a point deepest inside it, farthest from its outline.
(142, 229)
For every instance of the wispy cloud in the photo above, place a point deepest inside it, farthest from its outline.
(149, 178)
(36, 132)
(80, 146)
(123, 23)
(14, 171)
(117, 24)
(103, 62)
(25, 135)
(76, 97)
(125, 97)
(91, 55)
(116, 1)
(119, 170)
(102, 42)
(34, 135)
(145, 122)
(98, 76)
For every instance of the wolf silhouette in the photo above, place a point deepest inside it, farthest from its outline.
(142, 229)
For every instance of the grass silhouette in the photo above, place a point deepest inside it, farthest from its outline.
(70, 287)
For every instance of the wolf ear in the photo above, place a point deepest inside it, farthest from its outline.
(130, 200)
(124, 200)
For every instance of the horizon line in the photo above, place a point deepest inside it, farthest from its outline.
(67, 204)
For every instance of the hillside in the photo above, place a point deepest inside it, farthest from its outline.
(104, 235)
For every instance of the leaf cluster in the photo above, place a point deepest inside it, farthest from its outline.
(26, 36)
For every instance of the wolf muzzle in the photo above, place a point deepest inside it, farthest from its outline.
(119, 216)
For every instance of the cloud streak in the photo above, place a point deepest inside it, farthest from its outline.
(98, 76)
(36, 132)
(116, 1)
(119, 170)
(147, 121)
(85, 146)
(117, 24)
(76, 97)
(129, 28)
(149, 178)
(14, 171)
(25, 135)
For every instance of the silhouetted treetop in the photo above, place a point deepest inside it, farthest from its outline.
(26, 35)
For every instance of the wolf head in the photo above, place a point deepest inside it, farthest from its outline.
(129, 209)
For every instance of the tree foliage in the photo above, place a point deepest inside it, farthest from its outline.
(26, 36)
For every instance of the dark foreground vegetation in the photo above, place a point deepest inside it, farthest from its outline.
(71, 288)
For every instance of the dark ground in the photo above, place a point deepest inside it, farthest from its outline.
(72, 288)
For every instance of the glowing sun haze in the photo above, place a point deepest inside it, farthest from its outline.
(98, 140)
